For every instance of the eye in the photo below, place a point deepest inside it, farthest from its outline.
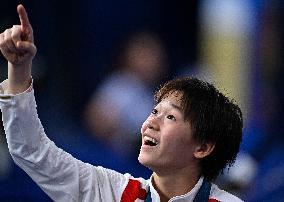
(171, 117)
(154, 111)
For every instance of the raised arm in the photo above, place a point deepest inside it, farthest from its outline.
(59, 174)
(17, 46)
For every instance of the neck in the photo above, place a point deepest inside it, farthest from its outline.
(175, 183)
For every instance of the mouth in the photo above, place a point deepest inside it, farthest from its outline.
(149, 141)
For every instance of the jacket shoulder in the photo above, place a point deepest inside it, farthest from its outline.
(221, 195)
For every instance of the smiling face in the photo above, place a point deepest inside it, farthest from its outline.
(167, 141)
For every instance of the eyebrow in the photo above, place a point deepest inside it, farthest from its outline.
(176, 107)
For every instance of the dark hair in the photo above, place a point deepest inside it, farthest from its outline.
(213, 118)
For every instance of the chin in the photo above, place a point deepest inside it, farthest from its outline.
(143, 160)
(147, 162)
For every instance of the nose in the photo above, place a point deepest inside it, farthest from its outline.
(153, 124)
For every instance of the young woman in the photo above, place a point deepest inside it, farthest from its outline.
(191, 135)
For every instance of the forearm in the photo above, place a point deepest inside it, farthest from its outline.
(55, 171)
(23, 129)
(60, 175)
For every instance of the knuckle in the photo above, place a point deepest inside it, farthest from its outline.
(7, 35)
(15, 31)
(14, 35)
(7, 31)
(6, 40)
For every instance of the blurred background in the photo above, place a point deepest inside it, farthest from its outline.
(99, 62)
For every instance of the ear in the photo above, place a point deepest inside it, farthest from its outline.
(203, 150)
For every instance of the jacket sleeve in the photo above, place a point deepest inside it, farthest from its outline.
(60, 175)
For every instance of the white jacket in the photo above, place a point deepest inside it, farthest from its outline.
(65, 178)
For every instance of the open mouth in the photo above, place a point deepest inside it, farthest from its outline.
(150, 141)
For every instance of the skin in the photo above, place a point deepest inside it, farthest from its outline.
(175, 159)
(17, 46)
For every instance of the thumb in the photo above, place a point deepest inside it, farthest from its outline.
(27, 47)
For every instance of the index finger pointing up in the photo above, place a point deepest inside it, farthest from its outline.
(25, 24)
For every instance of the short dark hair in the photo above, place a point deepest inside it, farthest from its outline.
(213, 118)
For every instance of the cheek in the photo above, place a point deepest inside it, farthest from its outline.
(178, 138)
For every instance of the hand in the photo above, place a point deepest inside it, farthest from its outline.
(17, 46)
(17, 43)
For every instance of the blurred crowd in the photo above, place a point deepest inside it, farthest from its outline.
(99, 64)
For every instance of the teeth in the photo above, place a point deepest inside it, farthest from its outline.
(147, 138)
